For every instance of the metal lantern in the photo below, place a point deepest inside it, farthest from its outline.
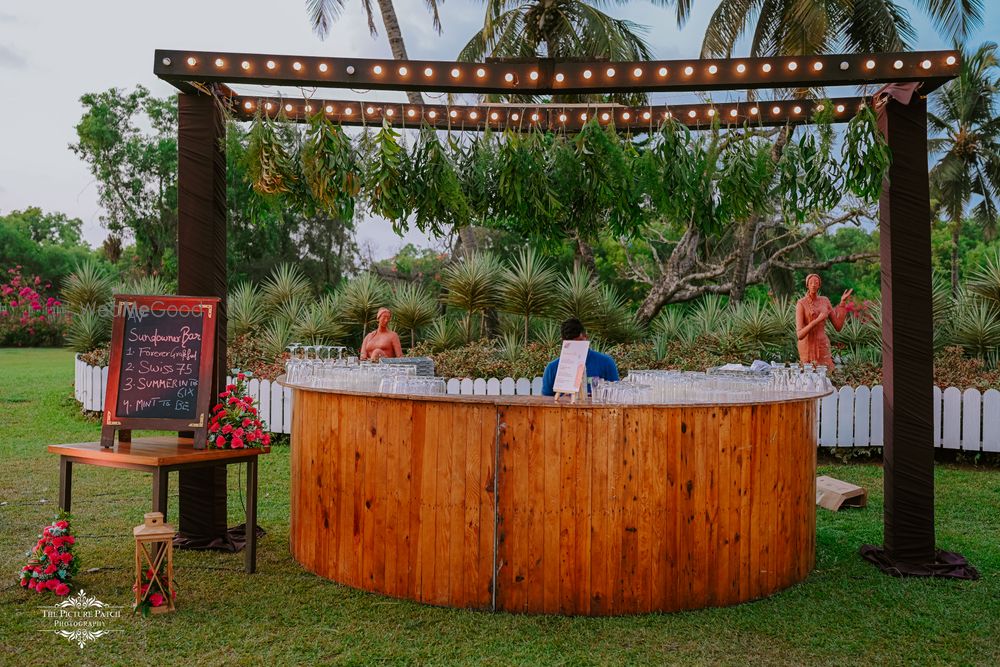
(154, 562)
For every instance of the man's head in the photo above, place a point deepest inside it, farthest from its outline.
(572, 329)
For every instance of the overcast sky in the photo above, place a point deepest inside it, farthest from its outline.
(52, 53)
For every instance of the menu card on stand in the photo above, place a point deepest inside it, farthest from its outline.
(572, 366)
(160, 367)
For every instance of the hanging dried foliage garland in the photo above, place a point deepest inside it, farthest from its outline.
(549, 186)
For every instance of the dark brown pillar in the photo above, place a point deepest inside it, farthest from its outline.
(201, 271)
(907, 331)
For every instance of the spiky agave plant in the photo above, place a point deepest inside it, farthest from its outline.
(613, 321)
(148, 285)
(511, 348)
(413, 308)
(286, 283)
(88, 286)
(528, 287)
(710, 317)
(547, 333)
(318, 325)
(472, 284)
(756, 328)
(576, 297)
(245, 310)
(442, 335)
(669, 323)
(275, 336)
(976, 325)
(88, 330)
(362, 297)
(985, 281)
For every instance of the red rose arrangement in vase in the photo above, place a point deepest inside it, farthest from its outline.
(51, 564)
(158, 597)
(235, 423)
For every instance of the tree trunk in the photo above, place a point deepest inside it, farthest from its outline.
(467, 242)
(682, 261)
(956, 232)
(585, 255)
(746, 239)
(395, 37)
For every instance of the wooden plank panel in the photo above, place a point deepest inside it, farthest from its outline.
(456, 505)
(862, 416)
(392, 493)
(370, 465)
(472, 497)
(442, 492)
(382, 497)
(535, 451)
(699, 545)
(551, 419)
(952, 418)
(615, 582)
(877, 412)
(972, 439)
(991, 420)
(723, 447)
(487, 514)
(567, 501)
(408, 471)
(424, 500)
(644, 481)
(656, 483)
(628, 484)
(599, 536)
(582, 510)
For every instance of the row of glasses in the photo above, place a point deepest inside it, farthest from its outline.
(412, 386)
(300, 351)
(800, 378)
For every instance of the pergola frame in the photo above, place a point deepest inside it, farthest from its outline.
(904, 208)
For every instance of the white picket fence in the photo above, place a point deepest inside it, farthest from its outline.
(850, 417)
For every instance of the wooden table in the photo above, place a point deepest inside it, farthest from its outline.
(160, 456)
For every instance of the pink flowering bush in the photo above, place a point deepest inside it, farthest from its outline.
(51, 564)
(29, 316)
(235, 423)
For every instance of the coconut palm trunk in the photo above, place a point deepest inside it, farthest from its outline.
(395, 36)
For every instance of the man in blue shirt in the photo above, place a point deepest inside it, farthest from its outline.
(598, 365)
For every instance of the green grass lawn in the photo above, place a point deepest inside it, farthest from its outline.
(846, 612)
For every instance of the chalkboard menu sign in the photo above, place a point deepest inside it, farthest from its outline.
(160, 370)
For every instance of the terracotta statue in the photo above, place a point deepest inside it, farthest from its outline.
(382, 342)
(811, 313)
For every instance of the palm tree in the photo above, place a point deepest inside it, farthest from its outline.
(322, 14)
(412, 308)
(362, 297)
(964, 111)
(805, 27)
(528, 287)
(555, 29)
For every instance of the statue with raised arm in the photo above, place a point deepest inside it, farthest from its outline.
(811, 314)
(383, 342)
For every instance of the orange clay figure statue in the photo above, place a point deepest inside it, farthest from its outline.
(811, 314)
(382, 342)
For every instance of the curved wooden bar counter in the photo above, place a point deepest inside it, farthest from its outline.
(517, 504)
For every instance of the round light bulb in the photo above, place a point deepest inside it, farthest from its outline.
(508, 77)
(428, 71)
(792, 66)
(453, 113)
(626, 115)
(349, 69)
(583, 116)
(688, 71)
(432, 114)
(898, 64)
(473, 115)
(455, 73)
(369, 111)
(870, 64)
(797, 109)
(534, 117)
(741, 68)
(348, 111)
(403, 71)
(950, 60)
(926, 64)
(711, 112)
(377, 69)
(637, 72)
(248, 105)
(587, 74)
(268, 106)
(775, 110)
(733, 112)
(323, 67)
(245, 64)
(192, 62)
(562, 118)
(605, 116)
(219, 62)
(754, 111)
(611, 72)
(297, 66)
(818, 66)
(560, 76)
(480, 72)
(390, 112)
(271, 64)
(662, 71)
(844, 65)
(515, 116)
(646, 115)
(692, 113)
(411, 113)
(533, 75)
(288, 107)
(840, 108)
(329, 109)
(712, 69)
(820, 107)
(166, 62)
(494, 115)
(766, 67)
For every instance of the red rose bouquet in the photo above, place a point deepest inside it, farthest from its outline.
(51, 563)
(235, 423)
(158, 596)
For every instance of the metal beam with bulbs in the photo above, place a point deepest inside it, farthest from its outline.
(553, 77)
(544, 116)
